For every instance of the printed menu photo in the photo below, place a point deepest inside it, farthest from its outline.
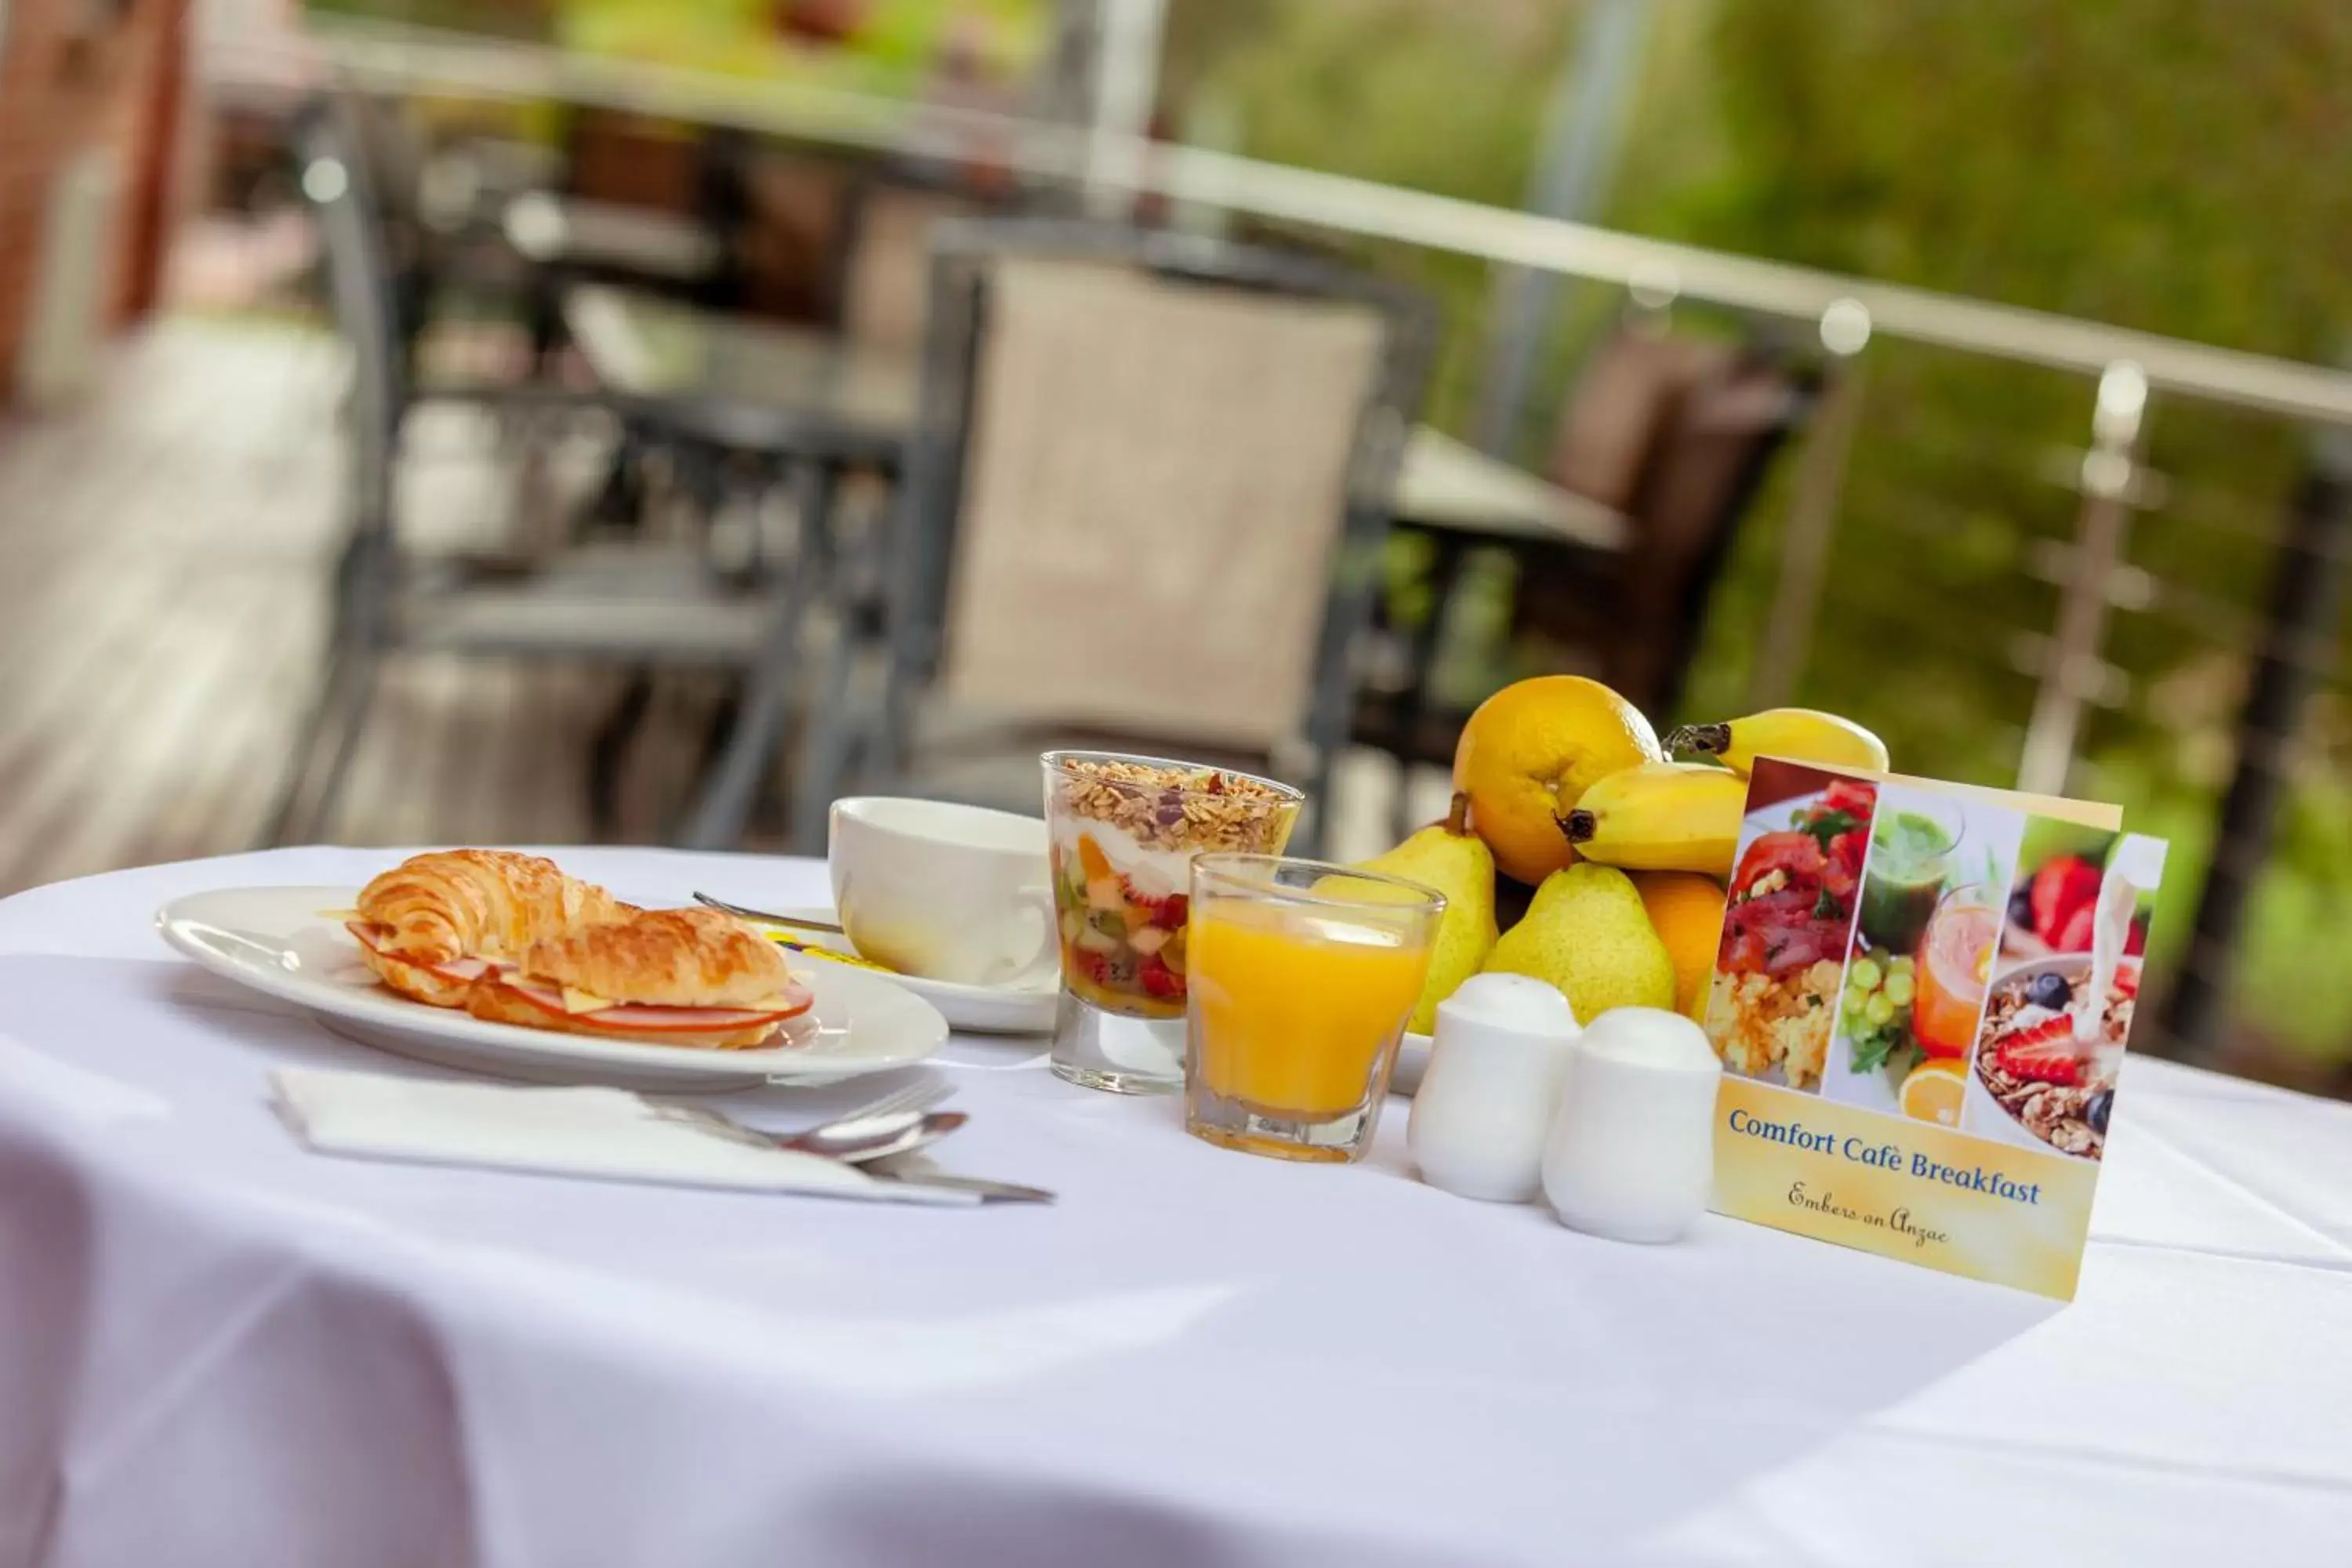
(1921, 999)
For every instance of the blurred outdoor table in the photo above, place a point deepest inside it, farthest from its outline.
(559, 230)
(838, 394)
(1448, 486)
(757, 385)
(220, 1350)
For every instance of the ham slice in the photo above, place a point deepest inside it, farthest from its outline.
(635, 1017)
(663, 1020)
(461, 970)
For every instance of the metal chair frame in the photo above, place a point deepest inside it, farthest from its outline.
(370, 576)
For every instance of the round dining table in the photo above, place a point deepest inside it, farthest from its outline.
(219, 1348)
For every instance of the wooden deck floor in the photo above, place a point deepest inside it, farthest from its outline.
(163, 554)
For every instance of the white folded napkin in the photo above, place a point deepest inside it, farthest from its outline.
(597, 1132)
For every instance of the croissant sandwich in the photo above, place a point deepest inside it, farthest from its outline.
(435, 924)
(669, 976)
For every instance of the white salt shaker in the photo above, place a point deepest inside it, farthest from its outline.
(1632, 1150)
(1483, 1105)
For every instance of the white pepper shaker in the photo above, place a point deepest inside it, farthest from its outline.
(1632, 1150)
(1484, 1104)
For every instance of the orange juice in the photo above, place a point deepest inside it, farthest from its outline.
(1291, 1007)
(1955, 962)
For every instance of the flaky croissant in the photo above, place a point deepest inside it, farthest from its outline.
(665, 958)
(432, 923)
(671, 976)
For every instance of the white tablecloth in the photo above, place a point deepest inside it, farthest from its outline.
(217, 1348)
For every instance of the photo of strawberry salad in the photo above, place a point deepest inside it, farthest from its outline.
(2050, 910)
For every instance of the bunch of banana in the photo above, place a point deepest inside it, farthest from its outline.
(1660, 817)
(1802, 734)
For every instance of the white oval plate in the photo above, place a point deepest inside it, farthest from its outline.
(282, 942)
(983, 1009)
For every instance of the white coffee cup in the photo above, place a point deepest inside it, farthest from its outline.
(944, 892)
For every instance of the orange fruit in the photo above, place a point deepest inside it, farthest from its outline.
(1091, 859)
(1530, 752)
(1685, 909)
(1932, 1092)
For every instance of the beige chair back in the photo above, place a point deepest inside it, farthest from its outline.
(1154, 486)
(888, 284)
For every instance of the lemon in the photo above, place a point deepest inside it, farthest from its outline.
(1932, 1091)
(1529, 755)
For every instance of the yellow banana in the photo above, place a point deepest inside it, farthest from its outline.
(1660, 817)
(1802, 734)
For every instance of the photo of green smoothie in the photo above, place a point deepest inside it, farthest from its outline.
(1925, 922)
(1910, 861)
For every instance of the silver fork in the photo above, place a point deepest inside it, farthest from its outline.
(745, 912)
(920, 1095)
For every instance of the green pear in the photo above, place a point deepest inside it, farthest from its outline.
(1456, 862)
(1587, 933)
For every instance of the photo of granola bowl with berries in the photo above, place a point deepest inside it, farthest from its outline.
(1124, 831)
(2042, 1081)
(1786, 927)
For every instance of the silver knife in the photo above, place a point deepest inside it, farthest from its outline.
(988, 1191)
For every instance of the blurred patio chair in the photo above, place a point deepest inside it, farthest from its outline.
(641, 604)
(484, 221)
(1679, 434)
(638, 211)
(1674, 433)
(886, 256)
(1142, 505)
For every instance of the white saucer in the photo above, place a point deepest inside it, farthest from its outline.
(982, 1009)
(283, 941)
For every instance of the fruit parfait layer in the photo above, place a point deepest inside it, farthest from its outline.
(1125, 830)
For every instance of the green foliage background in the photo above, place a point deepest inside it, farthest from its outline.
(2168, 165)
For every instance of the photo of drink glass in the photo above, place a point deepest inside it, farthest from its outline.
(1303, 975)
(1954, 969)
(1911, 858)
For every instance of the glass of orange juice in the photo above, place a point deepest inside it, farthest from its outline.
(1303, 975)
(1954, 969)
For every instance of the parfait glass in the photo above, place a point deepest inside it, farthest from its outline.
(1304, 975)
(1124, 830)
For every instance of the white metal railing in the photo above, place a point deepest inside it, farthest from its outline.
(395, 56)
(1847, 313)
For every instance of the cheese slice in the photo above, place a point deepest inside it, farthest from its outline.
(577, 1001)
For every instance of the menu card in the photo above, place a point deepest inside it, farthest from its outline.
(1921, 1000)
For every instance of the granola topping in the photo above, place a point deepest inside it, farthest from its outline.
(1124, 834)
(1190, 809)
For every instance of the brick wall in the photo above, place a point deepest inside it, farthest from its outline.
(75, 74)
